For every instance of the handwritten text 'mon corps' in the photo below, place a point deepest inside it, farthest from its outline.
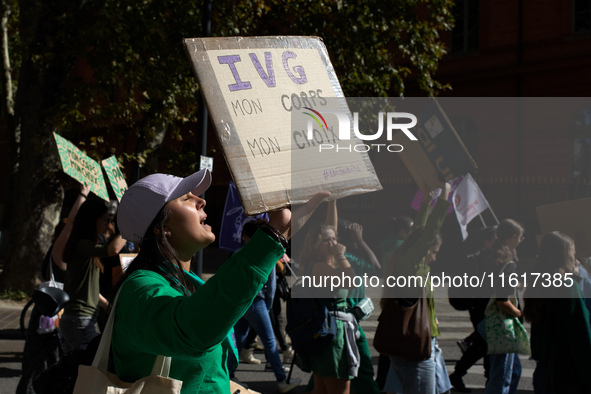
(264, 146)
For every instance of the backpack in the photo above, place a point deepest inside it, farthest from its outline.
(309, 324)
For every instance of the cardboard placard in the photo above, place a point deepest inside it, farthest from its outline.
(252, 87)
(439, 154)
(79, 166)
(570, 218)
(115, 176)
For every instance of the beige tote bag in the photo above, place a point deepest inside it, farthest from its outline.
(95, 379)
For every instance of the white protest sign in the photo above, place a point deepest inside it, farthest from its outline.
(252, 86)
(468, 202)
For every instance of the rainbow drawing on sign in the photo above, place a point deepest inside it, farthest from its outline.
(316, 119)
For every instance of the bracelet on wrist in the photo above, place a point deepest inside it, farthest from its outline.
(276, 235)
(83, 195)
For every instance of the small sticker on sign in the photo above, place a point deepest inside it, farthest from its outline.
(434, 126)
(206, 163)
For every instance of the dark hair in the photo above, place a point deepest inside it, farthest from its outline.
(506, 229)
(554, 253)
(486, 234)
(553, 256)
(250, 227)
(399, 223)
(412, 239)
(84, 226)
(157, 255)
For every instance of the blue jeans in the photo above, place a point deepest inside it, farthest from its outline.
(258, 317)
(422, 377)
(505, 369)
(76, 331)
(441, 376)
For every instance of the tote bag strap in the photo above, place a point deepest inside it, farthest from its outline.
(101, 359)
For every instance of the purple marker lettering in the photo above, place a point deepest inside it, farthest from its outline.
(297, 69)
(268, 77)
(230, 60)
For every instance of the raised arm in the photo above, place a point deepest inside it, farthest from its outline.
(357, 233)
(57, 253)
(332, 217)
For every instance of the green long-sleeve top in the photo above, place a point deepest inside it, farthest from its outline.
(153, 318)
(412, 262)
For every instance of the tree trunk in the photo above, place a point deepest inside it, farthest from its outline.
(36, 192)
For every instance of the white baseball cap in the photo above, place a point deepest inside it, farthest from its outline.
(144, 199)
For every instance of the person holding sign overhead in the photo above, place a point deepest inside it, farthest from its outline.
(82, 255)
(165, 309)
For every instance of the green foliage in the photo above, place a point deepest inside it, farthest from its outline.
(13, 295)
(120, 69)
(374, 45)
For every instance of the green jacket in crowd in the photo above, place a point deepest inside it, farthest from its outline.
(412, 263)
(153, 318)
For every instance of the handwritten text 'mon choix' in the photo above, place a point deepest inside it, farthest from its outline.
(311, 97)
(325, 138)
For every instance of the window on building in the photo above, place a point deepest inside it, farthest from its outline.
(582, 16)
(581, 159)
(464, 36)
(468, 133)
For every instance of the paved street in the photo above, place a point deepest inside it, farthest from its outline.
(454, 325)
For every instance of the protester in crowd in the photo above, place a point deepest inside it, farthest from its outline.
(505, 369)
(59, 245)
(250, 345)
(42, 350)
(257, 316)
(475, 344)
(363, 261)
(560, 332)
(412, 258)
(399, 229)
(334, 365)
(112, 269)
(165, 309)
(584, 281)
(82, 254)
(277, 320)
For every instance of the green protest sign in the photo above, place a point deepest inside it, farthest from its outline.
(115, 176)
(81, 167)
